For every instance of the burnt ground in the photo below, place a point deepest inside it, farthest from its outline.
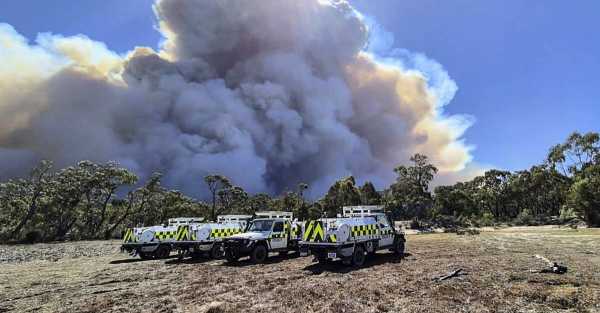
(95, 277)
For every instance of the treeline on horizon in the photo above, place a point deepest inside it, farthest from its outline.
(84, 201)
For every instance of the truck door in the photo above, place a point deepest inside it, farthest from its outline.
(385, 230)
(278, 236)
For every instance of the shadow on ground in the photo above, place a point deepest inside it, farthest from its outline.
(340, 267)
(136, 259)
(270, 260)
(191, 260)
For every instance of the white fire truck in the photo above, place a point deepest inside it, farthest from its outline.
(154, 242)
(271, 231)
(360, 231)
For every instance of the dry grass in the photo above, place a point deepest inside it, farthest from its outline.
(498, 265)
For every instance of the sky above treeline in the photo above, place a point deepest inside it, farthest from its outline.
(527, 71)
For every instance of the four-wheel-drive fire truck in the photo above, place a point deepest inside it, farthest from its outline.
(206, 238)
(360, 231)
(154, 242)
(269, 232)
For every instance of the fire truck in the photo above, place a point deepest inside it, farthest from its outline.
(360, 231)
(271, 231)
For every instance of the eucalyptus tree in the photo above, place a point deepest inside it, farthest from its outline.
(215, 184)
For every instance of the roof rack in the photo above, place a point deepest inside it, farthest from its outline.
(362, 210)
(275, 214)
(233, 218)
(184, 220)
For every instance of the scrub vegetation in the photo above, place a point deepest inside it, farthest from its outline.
(98, 201)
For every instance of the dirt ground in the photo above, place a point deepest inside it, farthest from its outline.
(95, 277)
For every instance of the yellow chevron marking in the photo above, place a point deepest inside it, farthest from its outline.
(308, 230)
(128, 235)
(318, 232)
(333, 238)
(182, 233)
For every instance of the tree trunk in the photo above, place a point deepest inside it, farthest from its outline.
(98, 226)
(30, 212)
(119, 222)
(214, 206)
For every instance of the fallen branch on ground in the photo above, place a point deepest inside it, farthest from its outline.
(455, 273)
(554, 267)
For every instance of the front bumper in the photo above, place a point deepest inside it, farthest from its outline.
(238, 247)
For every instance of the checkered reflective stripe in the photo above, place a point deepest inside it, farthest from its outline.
(278, 235)
(224, 232)
(287, 229)
(364, 230)
(167, 234)
(387, 231)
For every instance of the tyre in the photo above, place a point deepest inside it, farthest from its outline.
(163, 252)
(230, 256)
(370, 246)
(322, 259)
(215, 252)
(196, 254)
(146, 255)
(358, 257)
(399, 248)
(259, 254)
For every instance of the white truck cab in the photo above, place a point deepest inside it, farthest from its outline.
(269, 232)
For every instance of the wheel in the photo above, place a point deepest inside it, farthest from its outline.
(371, 246)
(322, 259)
(230, 257)
(358, 257)
(259, 254)
(163, 252)
(146, 255)
(399, 247)
(215, 252)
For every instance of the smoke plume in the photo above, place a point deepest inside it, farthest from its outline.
(269, 93)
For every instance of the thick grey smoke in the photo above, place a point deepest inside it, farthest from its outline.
(270, 93)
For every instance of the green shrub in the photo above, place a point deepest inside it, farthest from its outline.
(32, 237)
(486, 219)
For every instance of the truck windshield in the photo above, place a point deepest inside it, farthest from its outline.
(264, 225)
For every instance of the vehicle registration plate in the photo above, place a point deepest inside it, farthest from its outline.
(148, 248)
(331, 255)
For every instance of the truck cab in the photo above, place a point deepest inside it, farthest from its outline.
(269, 232)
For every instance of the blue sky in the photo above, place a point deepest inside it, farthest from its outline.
(526, 70)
